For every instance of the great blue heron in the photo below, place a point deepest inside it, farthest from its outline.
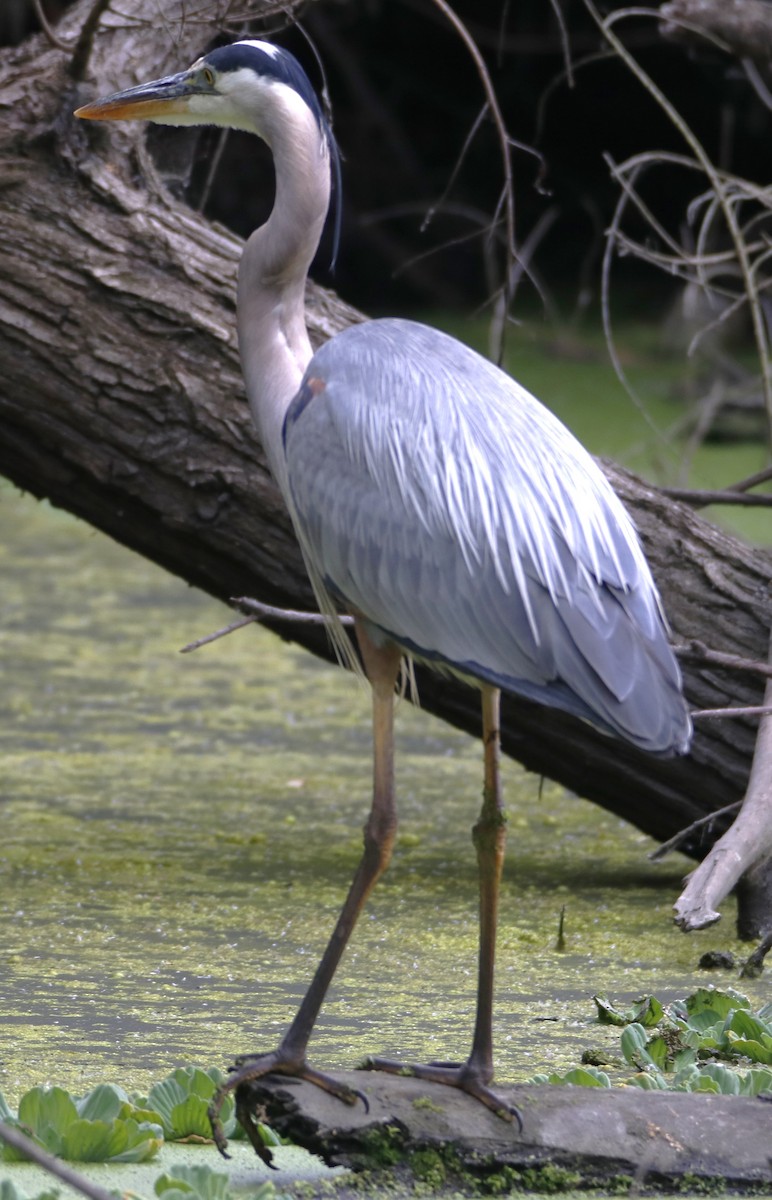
(436, 500)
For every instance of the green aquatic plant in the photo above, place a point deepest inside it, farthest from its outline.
(180, 1104)
(580, 1076)
(203, 1183)
(9, 1191)
(709, 1042)
(646, 1011)
(102, 1126)
(108, 1125)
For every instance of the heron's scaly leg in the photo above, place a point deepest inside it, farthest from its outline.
(382, 666)
(489, 835)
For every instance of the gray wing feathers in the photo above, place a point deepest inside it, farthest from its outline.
(447, 505)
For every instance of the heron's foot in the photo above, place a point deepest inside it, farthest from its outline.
(249, 1067)
(464, 1076)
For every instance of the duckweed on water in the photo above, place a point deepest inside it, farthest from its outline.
(179, 832)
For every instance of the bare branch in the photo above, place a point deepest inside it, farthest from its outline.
(701, 498)
(504, 144)
(746, 843)
(683, 835)
(725, 196)
(699, 652)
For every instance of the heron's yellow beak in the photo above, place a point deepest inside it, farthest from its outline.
(162, 99)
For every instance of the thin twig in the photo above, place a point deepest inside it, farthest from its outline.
(612, 236)
(220, 633)
(214, 164)
(79, 62)
(19, 1141)
(756, 80)
(440, 204)
(674, 842)
(504, 141)
(699, 652)
(700, 498)
(47, 30)
(714, 176)
(565, 43)
(261, 612)
(752, 481)
(269, 612)
(753, 710)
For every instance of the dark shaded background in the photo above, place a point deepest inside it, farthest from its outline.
(405, 96)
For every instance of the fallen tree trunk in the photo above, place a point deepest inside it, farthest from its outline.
(121, 400)
(572, 1137)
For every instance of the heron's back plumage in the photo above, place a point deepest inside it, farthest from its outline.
(443, 502)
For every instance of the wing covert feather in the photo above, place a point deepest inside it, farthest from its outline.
(436, 496)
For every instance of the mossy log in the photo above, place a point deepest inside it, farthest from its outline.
(121, 400)
(572, 1136)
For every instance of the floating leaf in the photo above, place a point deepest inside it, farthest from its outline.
(716, 1001)
(55, 1121)
(634, 1044)
(727, 1081)
(45, 1114)
(647, 1011)
(181, 1102)
(753, 1050)
(755, 1081)
(650, 1083)
(607, 1013)
(199, 1181)
(103, 1103)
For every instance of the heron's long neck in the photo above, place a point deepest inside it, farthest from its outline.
(274, 344)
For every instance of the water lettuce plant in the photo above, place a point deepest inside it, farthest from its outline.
(102, 1126)
(203, 1183)
(180, 1103)
(108, 1125)
(709, 1042)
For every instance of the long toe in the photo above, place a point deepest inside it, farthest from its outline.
(463, 1076)
(247, 1069)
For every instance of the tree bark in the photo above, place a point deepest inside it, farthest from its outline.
(580, 1137)
(121, 400)
(741, 27)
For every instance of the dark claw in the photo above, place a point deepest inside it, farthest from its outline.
(463, 1076)
(248, 1067)
(247, 1121)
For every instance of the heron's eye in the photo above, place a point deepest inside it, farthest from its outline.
(208, 74)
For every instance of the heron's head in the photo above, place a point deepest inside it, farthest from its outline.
(247, 85)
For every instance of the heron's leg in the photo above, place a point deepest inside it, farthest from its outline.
(489, 836)
(382, 666)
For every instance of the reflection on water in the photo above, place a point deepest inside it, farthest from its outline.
(178, 833)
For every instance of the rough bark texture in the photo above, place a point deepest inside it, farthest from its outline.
(743, 27)
(121, 400)
(598, 1135)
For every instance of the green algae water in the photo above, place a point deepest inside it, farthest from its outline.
(177, 834)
